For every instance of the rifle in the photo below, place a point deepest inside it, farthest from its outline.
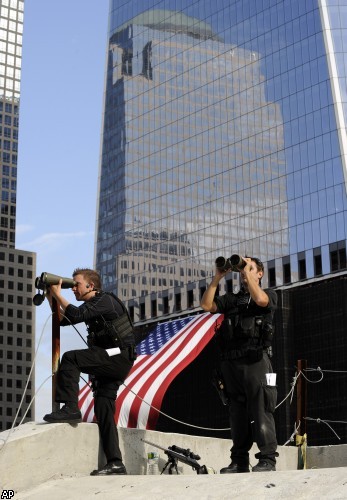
(186, 456)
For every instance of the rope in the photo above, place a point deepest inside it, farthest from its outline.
(27, 383)
(319, 420)
(26, 386)
(172, 418)
(327, 371)
(295, 432)
(326, 422)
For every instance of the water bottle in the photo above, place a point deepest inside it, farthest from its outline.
(152, 462)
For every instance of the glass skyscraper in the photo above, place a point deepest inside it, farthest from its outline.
(224, 132)
(17, 267)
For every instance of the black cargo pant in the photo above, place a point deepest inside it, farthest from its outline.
(250, 399)
(109, 373)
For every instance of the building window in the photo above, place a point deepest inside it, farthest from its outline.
(147, 61)
(337, 256)
(178, 305)
(131, 312)
(229, 286)
(272, 277)
(165, 305)
(286, 270)
(317, 262)
(190, 298)
(154, 313)
(127, 62)
(302, 266)
(142, 311)
(271, 274)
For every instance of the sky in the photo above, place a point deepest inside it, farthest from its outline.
(63, 66)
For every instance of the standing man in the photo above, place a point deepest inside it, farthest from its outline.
(245, 339)
(109, 358)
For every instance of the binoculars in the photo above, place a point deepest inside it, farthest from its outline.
(234, 263)
(45, 280)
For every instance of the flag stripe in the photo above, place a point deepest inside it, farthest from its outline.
(149, 368)
(154, 375)
(158, 397)
(140, 372)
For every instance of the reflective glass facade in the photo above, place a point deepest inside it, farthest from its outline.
(224, 132)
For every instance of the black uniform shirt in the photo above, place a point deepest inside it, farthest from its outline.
(94, 312)
(233, 305)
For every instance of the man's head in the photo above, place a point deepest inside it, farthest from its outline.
(87, 283)
(256, 269)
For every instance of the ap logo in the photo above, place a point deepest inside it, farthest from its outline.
(7, 494)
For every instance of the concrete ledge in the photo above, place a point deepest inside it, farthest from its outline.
(38, 452)
(283, 485)
(320, 457)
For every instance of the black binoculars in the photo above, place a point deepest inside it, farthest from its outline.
(234, 263)
(47, 279)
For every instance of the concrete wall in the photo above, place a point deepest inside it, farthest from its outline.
(321, 457)
(37, 452)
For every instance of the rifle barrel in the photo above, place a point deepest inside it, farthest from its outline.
(186, 460)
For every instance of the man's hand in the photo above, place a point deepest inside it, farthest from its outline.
(55, 290)
(250, 268)
(251, 281)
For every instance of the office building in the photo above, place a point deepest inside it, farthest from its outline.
(17, 267)
(223, 132)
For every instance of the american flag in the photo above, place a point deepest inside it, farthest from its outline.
(165, 352)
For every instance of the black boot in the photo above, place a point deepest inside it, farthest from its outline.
(264, 465)
(110, 468)
(234, 468)
(65, 414)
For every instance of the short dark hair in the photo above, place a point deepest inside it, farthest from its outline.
(258, 263)
(89, 275)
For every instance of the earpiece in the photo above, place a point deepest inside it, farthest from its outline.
(88, 286)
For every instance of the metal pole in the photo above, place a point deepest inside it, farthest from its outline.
(301, 405)
(55, 349)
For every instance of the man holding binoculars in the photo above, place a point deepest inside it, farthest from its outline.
(244, 338)
(109, 358)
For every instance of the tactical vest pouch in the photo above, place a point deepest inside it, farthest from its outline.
(249, 326)
(112, 334)
(122, 326)
(227, 328)
(225, 333)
